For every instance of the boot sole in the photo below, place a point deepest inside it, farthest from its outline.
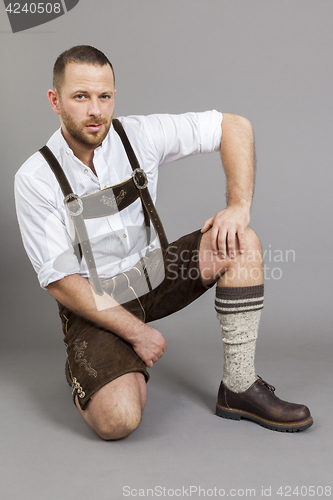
(233, 414)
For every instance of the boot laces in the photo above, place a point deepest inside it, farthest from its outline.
(270, 387)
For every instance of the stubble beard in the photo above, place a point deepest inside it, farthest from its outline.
(78, 132)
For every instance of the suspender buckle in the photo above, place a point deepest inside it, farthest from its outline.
(74, 205)
(140, 178)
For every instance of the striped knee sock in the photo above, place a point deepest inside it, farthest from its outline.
(239, 311)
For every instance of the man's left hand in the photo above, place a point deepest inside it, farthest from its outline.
(228, 230)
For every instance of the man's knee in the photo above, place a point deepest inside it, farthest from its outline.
(118, 424)
(253, 244)
(115, 411)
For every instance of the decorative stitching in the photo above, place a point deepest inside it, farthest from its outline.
(79, 348)
(115, 201)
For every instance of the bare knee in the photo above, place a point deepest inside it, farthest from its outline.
(118, 424)
(115, 410)
(252, 242)
(247, 268)
(111, 422)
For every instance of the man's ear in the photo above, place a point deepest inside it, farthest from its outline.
(54, 100)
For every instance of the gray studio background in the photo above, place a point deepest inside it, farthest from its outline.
(270, 61)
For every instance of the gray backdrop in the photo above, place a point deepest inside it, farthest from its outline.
(271, 62)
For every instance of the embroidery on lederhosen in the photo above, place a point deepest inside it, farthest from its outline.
(113, 202)
(79, 348)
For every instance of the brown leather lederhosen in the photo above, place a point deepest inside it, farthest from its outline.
(107, 202)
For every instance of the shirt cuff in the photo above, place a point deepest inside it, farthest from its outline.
(65, 265)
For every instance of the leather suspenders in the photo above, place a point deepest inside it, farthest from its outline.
(75, 206)
(141, 182)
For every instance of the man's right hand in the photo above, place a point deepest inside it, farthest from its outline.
(149, 345)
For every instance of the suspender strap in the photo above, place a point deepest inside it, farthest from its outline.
(75, 208)
(141, 182)
(57, 170)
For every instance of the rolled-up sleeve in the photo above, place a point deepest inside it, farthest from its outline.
(44, 234)
(178, 136)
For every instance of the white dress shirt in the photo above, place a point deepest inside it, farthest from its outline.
(119, 240)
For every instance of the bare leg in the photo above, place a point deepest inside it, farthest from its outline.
(115, 410)
(244, 270)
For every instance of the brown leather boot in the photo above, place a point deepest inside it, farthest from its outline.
(259, 403)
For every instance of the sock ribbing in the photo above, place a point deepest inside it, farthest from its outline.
(239, 299)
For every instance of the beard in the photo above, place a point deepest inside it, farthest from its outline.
(79, 133)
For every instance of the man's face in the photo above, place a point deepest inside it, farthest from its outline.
(86, 103)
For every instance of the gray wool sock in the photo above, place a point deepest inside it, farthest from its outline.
(239, 311)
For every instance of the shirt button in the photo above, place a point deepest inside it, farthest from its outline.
(67, 152)
(86, 170)
(125, 235)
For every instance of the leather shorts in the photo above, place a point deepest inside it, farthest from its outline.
(97, 356)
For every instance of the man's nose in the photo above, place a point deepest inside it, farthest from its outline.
(94, 107)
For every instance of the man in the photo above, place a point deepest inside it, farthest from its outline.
(109, 343)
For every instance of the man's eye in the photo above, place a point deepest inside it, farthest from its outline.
(105, 97)
(79, 97)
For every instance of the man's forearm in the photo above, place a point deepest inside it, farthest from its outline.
(75, 293)
(238, 158)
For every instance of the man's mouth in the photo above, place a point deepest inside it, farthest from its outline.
(94, 126)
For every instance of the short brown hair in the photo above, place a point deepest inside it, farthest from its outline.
(80, 54)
